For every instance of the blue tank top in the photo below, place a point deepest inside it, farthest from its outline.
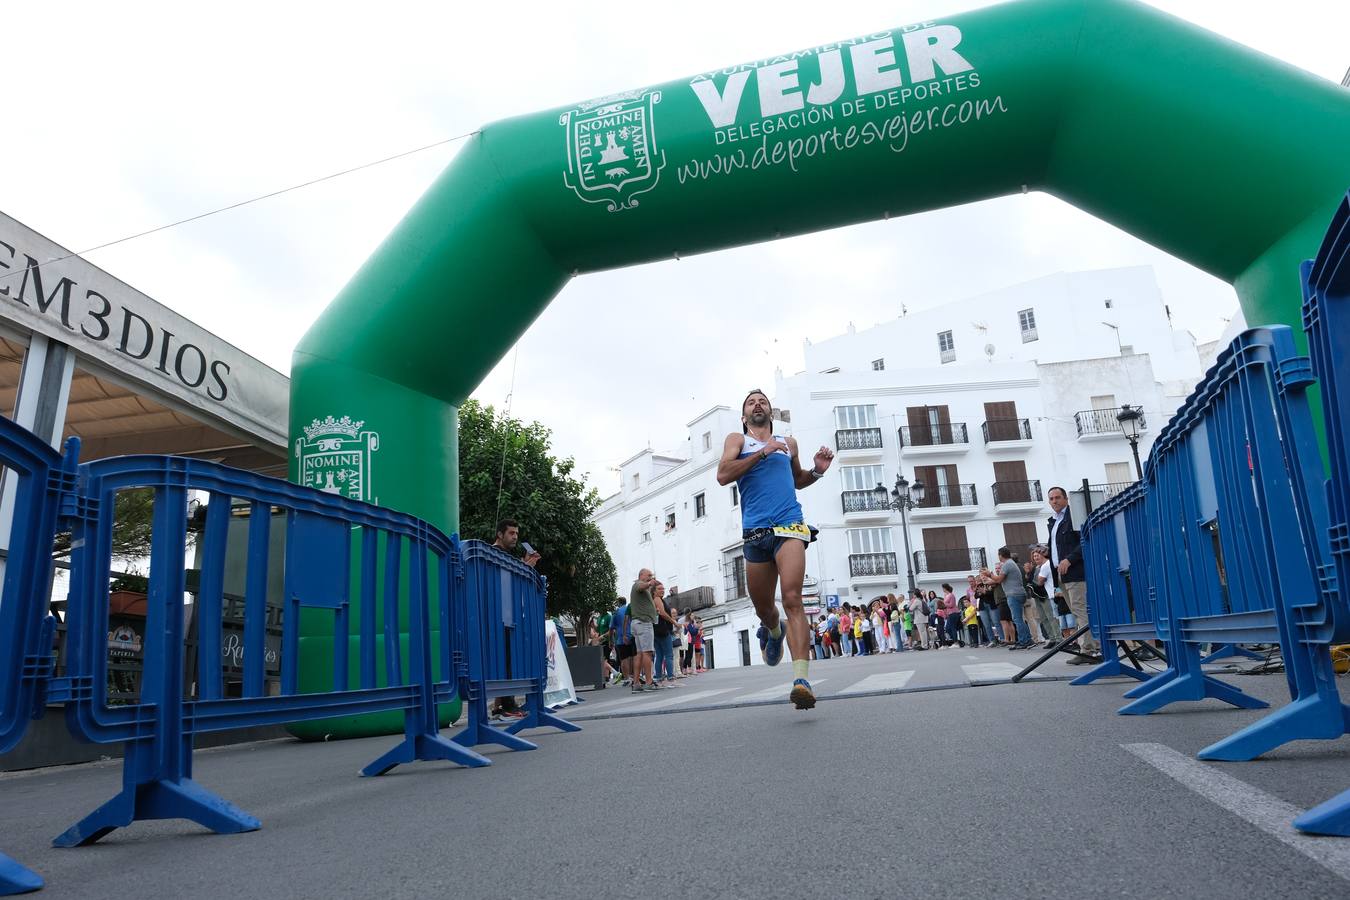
(768, 494)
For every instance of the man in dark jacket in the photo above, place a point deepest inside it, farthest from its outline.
(1066, 565)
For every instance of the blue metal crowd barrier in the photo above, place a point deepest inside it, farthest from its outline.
(1235, 534)
(1245, 537)
(504, 659)
(157, 729)
(473, 616)
(37, 476)
(1319, 624)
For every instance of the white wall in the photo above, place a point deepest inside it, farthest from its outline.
(1070, 309)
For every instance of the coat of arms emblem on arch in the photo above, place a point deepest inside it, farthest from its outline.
(335, 457)
(612, 154)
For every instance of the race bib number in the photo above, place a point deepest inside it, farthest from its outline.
(799, 531)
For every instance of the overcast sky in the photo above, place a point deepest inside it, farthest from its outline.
(124, 116)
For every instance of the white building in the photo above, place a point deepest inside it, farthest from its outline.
(988, 402)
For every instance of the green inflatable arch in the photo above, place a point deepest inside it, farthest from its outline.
(1226, 158)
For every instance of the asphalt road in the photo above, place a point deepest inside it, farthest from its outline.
(997, 791)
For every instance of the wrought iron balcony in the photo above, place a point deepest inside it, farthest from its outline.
(864, 501)
(1006, 430)
(864, 565)
(957, 559)
(857, 439)
(934, 435)
(940, 495)
(1109, 489)
(1101, 421)
(1017, 492)
(692, 599)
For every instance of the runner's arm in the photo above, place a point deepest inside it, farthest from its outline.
(730, 468)
(801, 478)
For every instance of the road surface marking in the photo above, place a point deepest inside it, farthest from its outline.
(775, 693)
(984, 673)
(884, 681)
(1271, 814)
(673, 699)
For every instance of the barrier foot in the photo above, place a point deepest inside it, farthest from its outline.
(425, 747)
(543, 719)
(1191, 687)
(184, 799)
(1230, 650)
(1312, 718)
(15, 879)
(1151, 685)
(1109, 668)
(1330, 818)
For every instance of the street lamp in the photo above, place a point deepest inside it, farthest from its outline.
(904, 497)
(1129, 418)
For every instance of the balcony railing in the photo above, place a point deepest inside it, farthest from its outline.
(957, 559)
(857, 439)
(934, 435)
(864, 565)
(692, 599)
(863, 501)
(940, 495)
(1109, 489)
(1100, 421)
(1006, 430)
(1016, 492)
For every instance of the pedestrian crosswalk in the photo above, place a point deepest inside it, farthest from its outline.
(995, 673)
(676, 699)
(882, 681)
(841, 683)
(778, 692)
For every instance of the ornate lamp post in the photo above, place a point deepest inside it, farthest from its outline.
(1129, 418)
(904, 497)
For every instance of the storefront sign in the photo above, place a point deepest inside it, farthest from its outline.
(141, 341)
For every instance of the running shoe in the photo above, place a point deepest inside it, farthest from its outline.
(801, 694)
(771, 648)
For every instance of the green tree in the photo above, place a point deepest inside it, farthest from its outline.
(506, 470)
(133, 517)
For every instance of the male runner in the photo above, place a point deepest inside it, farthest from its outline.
(769, 475)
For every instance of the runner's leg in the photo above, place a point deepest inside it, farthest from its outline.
(762, 578)
(791, 559)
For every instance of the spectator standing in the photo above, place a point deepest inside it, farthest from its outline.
(952, 613)
(970, 618)
(1066, 560)
(897, 622)
(642, 614)
(862, 631)
(936, 624)
(986, 606)
(1009, 577)
(622, 637)
(506, 540)
(918, 608)
(1042, 582)
(677, 641)
(663, 632)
